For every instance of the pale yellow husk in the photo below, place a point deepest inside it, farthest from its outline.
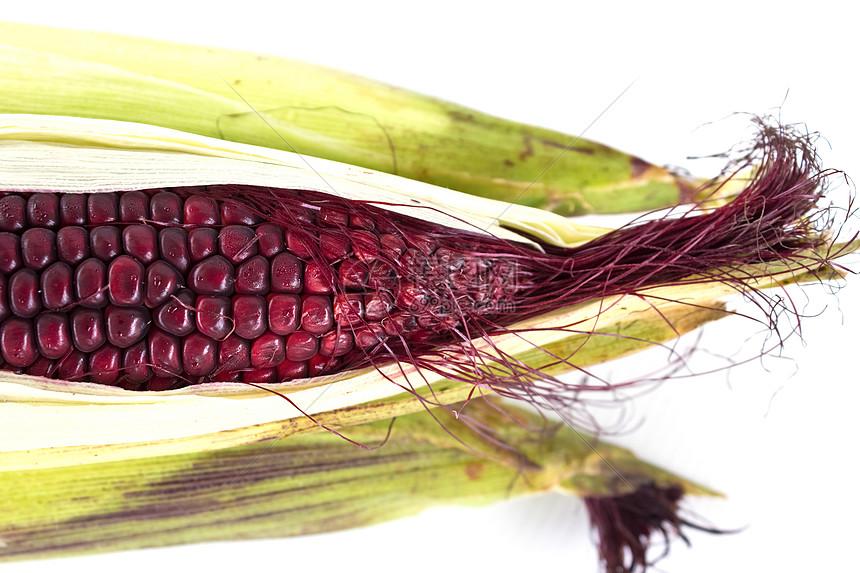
(133, 155)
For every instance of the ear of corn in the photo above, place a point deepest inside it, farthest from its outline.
(306, 484)
(56, 154)
(323, 113)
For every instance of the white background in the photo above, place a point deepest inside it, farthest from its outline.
(778, 436)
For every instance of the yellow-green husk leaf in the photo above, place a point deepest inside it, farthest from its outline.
(284, 104)
(305, 484)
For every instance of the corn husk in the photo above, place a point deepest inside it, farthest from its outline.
(284, 104)
(306, 484)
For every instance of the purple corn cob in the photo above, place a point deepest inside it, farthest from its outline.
(159, 289)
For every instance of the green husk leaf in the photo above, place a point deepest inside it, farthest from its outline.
(323, 113)
(305, 484)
